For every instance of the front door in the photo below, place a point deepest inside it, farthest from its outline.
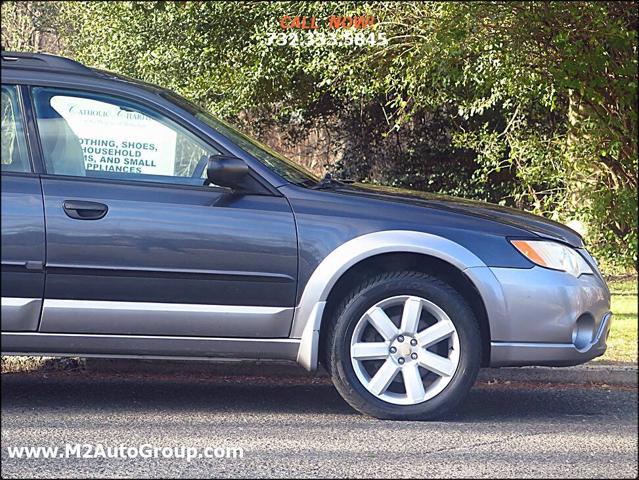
(137, 245)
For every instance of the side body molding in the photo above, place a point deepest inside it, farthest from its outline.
(308, 314)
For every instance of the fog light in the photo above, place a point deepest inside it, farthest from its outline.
(583, 332)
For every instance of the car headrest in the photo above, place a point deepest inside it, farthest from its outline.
(61, 147)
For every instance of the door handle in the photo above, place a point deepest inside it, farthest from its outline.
(81, 210)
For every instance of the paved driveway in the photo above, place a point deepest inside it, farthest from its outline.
(301, 427)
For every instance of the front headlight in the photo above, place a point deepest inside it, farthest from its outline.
(553, 255)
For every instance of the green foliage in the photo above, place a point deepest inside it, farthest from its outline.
(552, 91)
(622, 342)
(29, 26)
(537, 98)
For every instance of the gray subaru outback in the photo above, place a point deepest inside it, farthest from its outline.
(137, 225)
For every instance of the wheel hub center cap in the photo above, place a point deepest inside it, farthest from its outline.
(404, 349)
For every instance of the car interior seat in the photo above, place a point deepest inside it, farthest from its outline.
(61, 147)
(13, 156)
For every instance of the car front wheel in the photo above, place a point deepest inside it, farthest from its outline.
(405, 346)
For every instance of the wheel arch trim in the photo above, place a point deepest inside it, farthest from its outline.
(309, 313)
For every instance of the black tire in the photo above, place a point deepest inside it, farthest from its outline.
(337, 345)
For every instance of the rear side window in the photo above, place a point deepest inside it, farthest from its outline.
(15, 157)
(95, 135)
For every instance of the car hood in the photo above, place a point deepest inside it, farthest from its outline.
(535, 224)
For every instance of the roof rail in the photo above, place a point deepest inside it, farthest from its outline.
(42, 61)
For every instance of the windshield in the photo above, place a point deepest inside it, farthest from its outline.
(281, 165)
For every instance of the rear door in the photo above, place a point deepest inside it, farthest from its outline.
(137, 244)
(22, 223)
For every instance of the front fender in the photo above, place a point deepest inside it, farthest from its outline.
(308, 314)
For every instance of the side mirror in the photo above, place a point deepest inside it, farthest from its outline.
(227, 171)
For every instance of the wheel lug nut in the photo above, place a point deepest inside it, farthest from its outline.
(393, 350)
(401, 360)
(413, 342)
(413, 356)
(400, 339)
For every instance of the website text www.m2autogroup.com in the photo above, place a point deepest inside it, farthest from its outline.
(98, 450)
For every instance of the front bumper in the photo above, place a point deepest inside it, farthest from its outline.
(551, 318)
(517, 354)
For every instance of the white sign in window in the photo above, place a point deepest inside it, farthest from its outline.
(114, 139)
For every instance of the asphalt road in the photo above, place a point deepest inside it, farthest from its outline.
(299, 427)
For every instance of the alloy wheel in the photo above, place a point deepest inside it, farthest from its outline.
(405, 350)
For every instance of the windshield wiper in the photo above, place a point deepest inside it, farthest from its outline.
(328, 182)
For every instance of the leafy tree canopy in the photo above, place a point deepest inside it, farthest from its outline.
(546, 91)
